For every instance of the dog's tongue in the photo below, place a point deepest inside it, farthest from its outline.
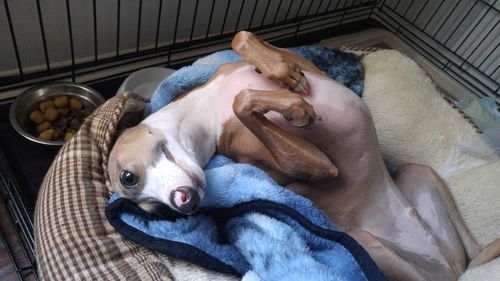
(184, 198)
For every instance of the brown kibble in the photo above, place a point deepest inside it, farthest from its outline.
(46, 135)
(45, 125)
(75, 123)
(61, 102)
(75, 104)
(70, 130)
(63, 111)
(44, 105)
(55, 133)
(68, 136)
(37, 117)
(86, 112)
(61, 122)
(51, 114)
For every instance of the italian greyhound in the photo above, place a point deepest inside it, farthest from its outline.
(279, 112)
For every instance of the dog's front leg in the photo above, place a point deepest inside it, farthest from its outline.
(292, 155)
(280, 65)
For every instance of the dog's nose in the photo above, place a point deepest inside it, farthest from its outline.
(185, 199)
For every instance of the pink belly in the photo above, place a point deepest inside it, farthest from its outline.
(324, 93)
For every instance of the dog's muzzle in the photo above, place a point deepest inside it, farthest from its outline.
(189, 198)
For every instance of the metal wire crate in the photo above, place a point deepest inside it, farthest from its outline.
(89, 40)
(85, 41)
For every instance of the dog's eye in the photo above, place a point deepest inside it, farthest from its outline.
(128, 179)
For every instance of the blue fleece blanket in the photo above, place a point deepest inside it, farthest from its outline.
(247, 224)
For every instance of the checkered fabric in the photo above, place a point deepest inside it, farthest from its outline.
(73, 237)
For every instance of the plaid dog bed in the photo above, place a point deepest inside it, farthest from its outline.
(74, 239)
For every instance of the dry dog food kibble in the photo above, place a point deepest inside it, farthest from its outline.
(58, 118)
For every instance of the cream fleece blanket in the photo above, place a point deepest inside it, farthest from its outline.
(415, 124)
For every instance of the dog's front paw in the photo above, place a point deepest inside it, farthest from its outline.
(300, 113)
(285, 73)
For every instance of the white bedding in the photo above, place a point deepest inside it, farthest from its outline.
(415, 124)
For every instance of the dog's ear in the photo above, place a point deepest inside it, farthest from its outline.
(133, 112)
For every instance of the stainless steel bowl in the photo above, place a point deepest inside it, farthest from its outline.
(29, 100)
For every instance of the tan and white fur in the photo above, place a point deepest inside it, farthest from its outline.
(279, 112)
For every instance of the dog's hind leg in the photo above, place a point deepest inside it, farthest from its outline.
(393, 266)
(430, 196)
(292, 155)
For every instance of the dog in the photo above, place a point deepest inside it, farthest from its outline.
(279, 112)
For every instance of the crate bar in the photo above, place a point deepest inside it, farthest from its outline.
(19, 209)
(253, 13)
(194, 20)
(225, 17)
(344, 12)
(475, 27)
(70, 28)
(2, 235)
(42, 31)
(239, 16)
(309, 8)
(408, 9)
(11, 256)
(471, 87)
(489, 4)
(210, 19)
(94, 10)
(138, 44)
(265, 13)
(397, 4)
(300, 8)
(429, 45)
(488, 56)
(329, 4)
(460, 23)
(439, 43)
(420, 12)
(495, 70)
(332, 17)
(14, 41)
(446, 19)
(288, 11)
(481, 42)
(337, 5)
(83, 66)
(17, 215)
(22, 223)
(118, 28)
(158, 25)
(372, 9)
(128, 59)
(297, 15)
(175, 32)
(436, 59)
(433, 15)
(434, 49)
(277, 11)
(319, 6)
(336, 23)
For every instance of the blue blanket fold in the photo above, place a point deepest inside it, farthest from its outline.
(247, 224)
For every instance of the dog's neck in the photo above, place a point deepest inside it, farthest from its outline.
(190, 135)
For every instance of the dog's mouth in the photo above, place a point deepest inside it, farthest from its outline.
(160, 210)
(186, 199)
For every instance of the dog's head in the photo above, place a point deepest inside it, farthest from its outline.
(147, 168)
